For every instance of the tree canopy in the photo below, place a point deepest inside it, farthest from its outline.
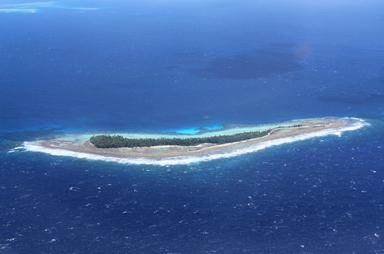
(117, 141)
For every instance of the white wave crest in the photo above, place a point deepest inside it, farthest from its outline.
(16, 149)
(22, 10)
(35, 7)
(35, 147)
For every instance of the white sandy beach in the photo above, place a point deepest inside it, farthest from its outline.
(172, 155)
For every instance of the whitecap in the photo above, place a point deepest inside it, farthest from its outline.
(17, 149)
(35, 7)
(19, 10)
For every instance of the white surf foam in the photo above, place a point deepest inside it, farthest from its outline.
(35, 147)
(16, 10)
(35, 7)
(16, 149)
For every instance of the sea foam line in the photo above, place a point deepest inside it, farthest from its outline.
(35, 7)
(16, 10)
(35, 147)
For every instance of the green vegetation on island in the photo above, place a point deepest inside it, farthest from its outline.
(117, 141)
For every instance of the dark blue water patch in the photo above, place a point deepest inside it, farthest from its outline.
(261, 63)
(358, 98)
(118, 76)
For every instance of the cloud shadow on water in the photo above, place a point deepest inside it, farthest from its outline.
(359, 98)
(260, 63)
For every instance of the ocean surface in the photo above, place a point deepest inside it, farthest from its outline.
(181, 65)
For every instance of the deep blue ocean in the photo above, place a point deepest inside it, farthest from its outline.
(154, 65)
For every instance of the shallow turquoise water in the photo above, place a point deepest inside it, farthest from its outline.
(197, 130)
(188, 131)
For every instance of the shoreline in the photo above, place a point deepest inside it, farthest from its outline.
(174, 155)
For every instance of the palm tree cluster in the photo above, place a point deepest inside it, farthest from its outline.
(117, 141)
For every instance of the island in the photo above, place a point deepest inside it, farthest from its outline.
(175, 148)
(116, 141)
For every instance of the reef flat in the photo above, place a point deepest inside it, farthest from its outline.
(173, 148)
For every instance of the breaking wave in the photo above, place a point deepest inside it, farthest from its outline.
(35, 7)
(35, 147)
(16, 10)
